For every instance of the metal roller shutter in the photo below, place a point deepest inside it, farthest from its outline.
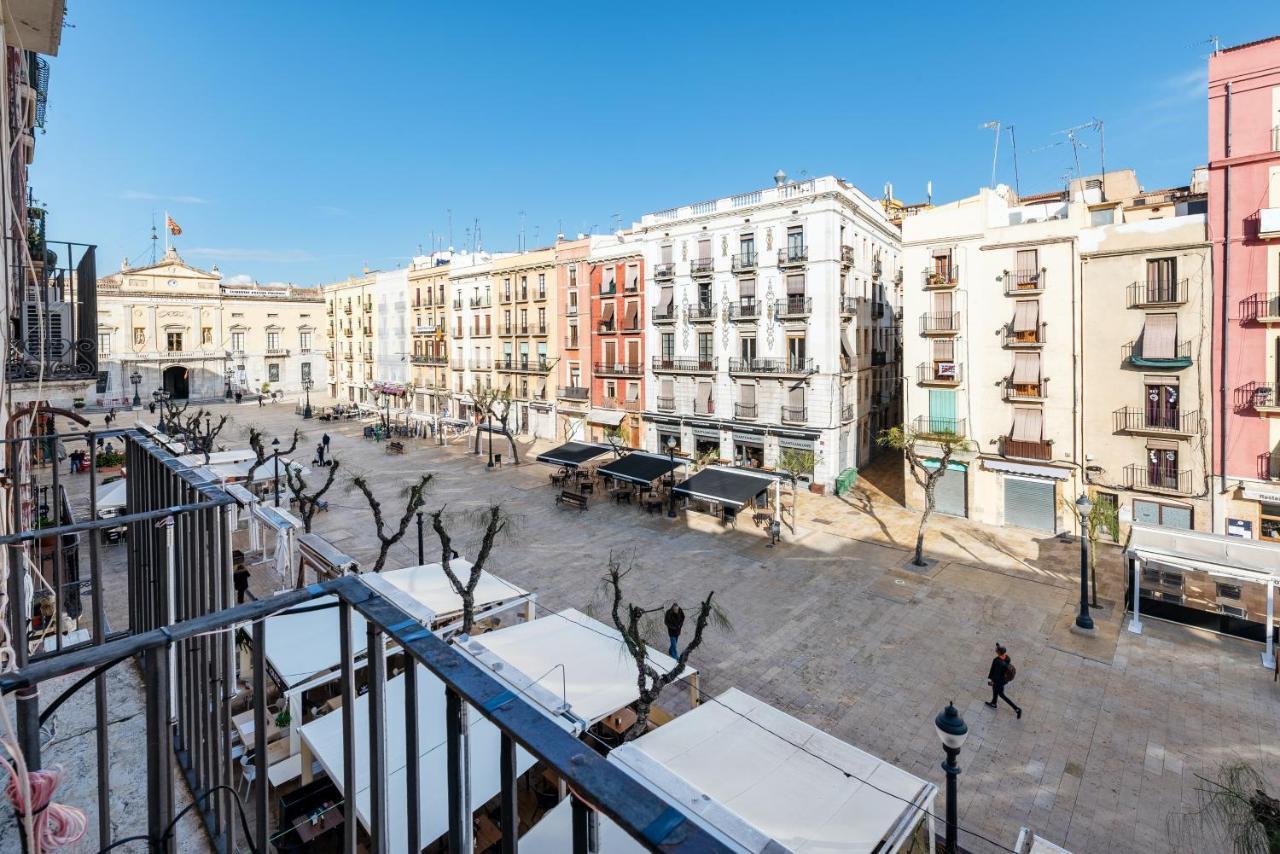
(950, 490)
(1029, 504)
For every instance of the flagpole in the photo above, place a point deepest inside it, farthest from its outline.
(166, 233)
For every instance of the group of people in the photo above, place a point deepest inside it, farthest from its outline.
(322, 457)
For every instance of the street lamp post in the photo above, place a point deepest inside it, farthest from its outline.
(671, 493)
(489, 420)
(275, 453)
(306, 387)
(136, 378)
(1084, 507)
(952, 731)
(227, 376)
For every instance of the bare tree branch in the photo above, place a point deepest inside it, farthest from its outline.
(308, 503)
(496, 523)
(387, 540)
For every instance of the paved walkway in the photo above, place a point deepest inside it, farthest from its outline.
(837, 629)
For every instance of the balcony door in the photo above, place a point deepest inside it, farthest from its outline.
(1162, 278)
(942, 411)
(796, 353)
(1162, 405)
(1162, 467)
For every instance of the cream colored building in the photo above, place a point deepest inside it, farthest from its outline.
(471, 336)
(349, 308)
(1035, 327)
(429, 329)
(526, 346)
(184, 331)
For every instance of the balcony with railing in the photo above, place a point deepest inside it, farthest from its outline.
(848, 258)
(346, 309)
(1157, 478)
(1025, 392)
(848, 412)
(1262, 398)
(524, 364)
(743, 262)
(849, 306)
(793, 307)
(1021, 283)
(940, 323)
(1269, 465)
(1021, 339)
(1018, 449)
(795, 414)
(1179, 358)
(664, 315)
(939, 426)
(746, 310)
(1157, 420)
(478, 364)
(572, 342)
(703, 312)
(368, 308)
(666, 404)
(1157, 294)
(685, 366)
(618, 369)
(701, 268)
(793, 256)
(940, 373)
(664, 271)
(430, 359)
(705, 406)
(783, 366)
(277, 352)
(574, 392)
(746, 411)
(940, 277)
(481, 301)
(1261, 308)
(55, 315)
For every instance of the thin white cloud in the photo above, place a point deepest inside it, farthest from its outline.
(239, 279)
(269, 256)
(139, 195)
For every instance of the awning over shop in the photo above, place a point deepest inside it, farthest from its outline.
(639, 467)
(1023, 468)
(573, 454)
(731, 486)
(1215, 554)
(607, 417)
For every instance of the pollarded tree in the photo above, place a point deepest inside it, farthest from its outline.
(908, 441)
(495, 405)
(389, 537)
(495, 522)
(308, 502)
(639, 625)
(1236, 805)
(262, 455)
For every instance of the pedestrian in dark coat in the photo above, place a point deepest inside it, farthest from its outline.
(674, 620)
(241, 579)
(1000, 674)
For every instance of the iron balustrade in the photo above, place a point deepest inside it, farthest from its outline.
(623, 369)
(701, 266)
(1157, 478)
(1024, 282)
(664, 270)
(940, 322)
(794, 255)
(795, 414)
(1261, 308)
(745, 309)
(943, 277)
(849, 305)
(745, 410)
(848, 412)
(666, 404)
(54, 304)
(1160, 419)
(1268, 466)
(743, 261)
(939, 373)
(941, 426)
(1133, 352)
(1025, 450)
(1256, 395)
(1025, 337)
(771, 366)
(794, 306)
(535, 366)
(849, 259)
(660, 314)
(685, 365)
(1025, 391)
(702, 311)
(1145, 294)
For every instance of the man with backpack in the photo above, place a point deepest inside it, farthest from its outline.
(1001, 674)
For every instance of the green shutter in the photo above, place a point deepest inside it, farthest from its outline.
(942, 410)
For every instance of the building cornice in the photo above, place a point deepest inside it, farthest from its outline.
(1143, 250)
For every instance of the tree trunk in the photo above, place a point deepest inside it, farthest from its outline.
(918, 560)
(515, 453)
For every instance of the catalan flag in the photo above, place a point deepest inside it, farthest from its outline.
(173, 227)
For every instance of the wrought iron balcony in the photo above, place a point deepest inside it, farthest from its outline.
(55, 315)
(347, 309)
(688, 366)
(1151, 294)
(940, 323)
(1019, 283)
(530, 365)
(1142, 419)
(743, 262)
(618, 369)
(745, 310)
(939, 426)
(665, 270)
(1028, 392)
(666, 404)
(849, 306)
(572, 342)
(1269, 466)
(795, 414)
(1156, 478)
(1261, 308)
(701, 267)
(574, 392)
(946, 277)
(430, 359)
(1024, 339)
(848, 412)
(368, 308)
(793, 307)
(277, 351)
(848, 258)
(793, 256)
(1181, 357)
(794, 367)
(939, 373)
(1260, 397)
(1021, 450)
(702, 312)
(745, 410)
(482, 301)
(661, 315)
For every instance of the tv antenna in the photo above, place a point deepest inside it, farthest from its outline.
(1017, 179)
(994, 125)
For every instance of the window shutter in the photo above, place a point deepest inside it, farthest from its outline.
(1026, 369)
(944, 350)
(1026, 316)
(747, 394)
(1160, 336)
(704, 250)
(747, 288)
(1027, 424)
(668, 387)
(795, 284)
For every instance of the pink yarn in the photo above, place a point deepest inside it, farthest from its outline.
(55, 825)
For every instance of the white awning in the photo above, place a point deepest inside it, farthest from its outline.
(1230, 557)
(1027, 469)
(1263, 495)
(767, 781)
(324, 737)
(608, 417)
(112, 496)
(430, 587)
(218, 457)
(581, 661)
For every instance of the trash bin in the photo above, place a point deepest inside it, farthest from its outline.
(845, 480)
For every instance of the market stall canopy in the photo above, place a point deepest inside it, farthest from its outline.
(607, 417)
(639, 467)
(582, 661)
(218, 457)
(324, 737)
(573, 454)
(429, 586)
(733, 486)
(1232, 557)
(239, 471)
(111, 497)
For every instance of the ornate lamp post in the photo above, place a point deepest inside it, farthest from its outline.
(275, 453)
(1084, 507)
(671, 495)
(306, 386)
(136, 378)
(227, 375)
(952, 731)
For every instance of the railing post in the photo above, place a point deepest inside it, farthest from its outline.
(412, 752)
(99, 681)
(581, 825)
(26, 700)
(348, 680)
(377, 672)
(508, 772)
(455, 722)
(159, 748)
(260, 731)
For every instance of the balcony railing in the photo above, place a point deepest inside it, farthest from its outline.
(666, 404)
(347, 309)
(1023, 282)
(1261, 308)
(368, 308)
(795, 414)
(1181, 358)
(574, 392)
(430, 359)
(527, 365)
(940, 323)
(1017, 339)
(56, 314)
(608, 288)
(618, 369)
(848, 258)
(1023, 450)
(664, 315)
(1269, 466)
(848, 412)
(1141, 419)
(480, 301)
(849, 306)
(1025, 391)
(702, 312)
(694, 366)
(1151, 478)
(772, 366)
(665, 270)
(572, 342)
(793, 307)
(479, 364)
(701, 266)
(745, 309)
(933, 425)
(1262, 397)
(947, 277)
(939, 373)
(277, 351)
(744, 261)
(1149, 294)
(745, 410)
(793, 256)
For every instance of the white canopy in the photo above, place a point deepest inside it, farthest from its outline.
(218, 457)
(111, 497)
(324, 738)
(301, 646)
(429, 586)
(795, 784)
(239, 470)
(578, 659)
(1232, 557)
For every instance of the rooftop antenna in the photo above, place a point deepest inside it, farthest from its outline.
(994, 125)
(1017, 179)
(154, 237)
(520, 244)
(479, 238)
(617, 222)
(928, 192)
(1076, 144)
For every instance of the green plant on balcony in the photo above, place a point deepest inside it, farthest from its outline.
(110, 459)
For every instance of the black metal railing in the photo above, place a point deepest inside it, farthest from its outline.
(1025, 337)
(618, 369)
(430, 359)
(795, 414)
(662, 315)
(944, 277)
(702, 311)
(794, 306)
(1144, 294)
(1269, 466)
(1157, 478)
(745, 410)
(664, 270)
(744, 261)
(575, 392)
(849, 305)
(772, 366)
(531, 365)
(1133, 352)
(937, 425)
(701, 266)
(685, 365)
(940, 322)
(790, 256)
(1021, 449)
(745, 309)
(848, 259)
(848, 412)
(1024, 282)
(1254, 395)
(55, 312)
(939, 373)
(1160, 419)
(1261, 308)
(666, 404)
(1025, 391)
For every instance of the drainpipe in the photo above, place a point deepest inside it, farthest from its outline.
(1223, 321)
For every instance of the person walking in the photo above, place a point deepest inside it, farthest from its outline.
(241, 580)
(239, 397)
(674, 620)
(1001, 674)
(324, 440)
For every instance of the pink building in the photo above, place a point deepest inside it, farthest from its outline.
(1244, 223)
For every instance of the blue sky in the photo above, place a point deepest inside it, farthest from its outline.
(300, 142)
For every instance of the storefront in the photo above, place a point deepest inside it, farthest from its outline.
(706, 441)
(951, 491)
(748, 449)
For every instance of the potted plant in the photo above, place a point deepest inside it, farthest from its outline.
(283, 718)
(109, 461)
(47, 544)
(77, 403)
